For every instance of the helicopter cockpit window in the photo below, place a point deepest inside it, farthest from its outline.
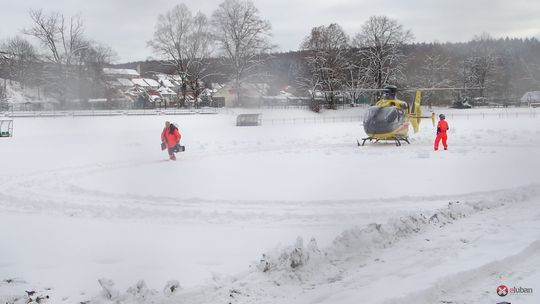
(391, 114)
(387, 114)
(372, 112)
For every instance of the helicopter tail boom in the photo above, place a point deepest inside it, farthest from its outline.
(415, 114)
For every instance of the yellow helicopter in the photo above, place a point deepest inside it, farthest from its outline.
(389, 118)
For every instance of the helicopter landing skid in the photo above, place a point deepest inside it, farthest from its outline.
(397, 140)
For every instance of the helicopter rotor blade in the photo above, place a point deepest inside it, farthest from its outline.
(437, 89)
(353, 91)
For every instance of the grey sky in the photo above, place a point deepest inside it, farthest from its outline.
(126, 25)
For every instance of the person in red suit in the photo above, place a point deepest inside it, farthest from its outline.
(170, 136)
(442, 127)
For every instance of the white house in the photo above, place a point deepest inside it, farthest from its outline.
(167, 93)
(251, 94)
(531, 99)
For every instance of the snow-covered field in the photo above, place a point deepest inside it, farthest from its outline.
(94, 198)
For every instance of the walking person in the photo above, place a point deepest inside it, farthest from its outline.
(170, 137)
(442, 127)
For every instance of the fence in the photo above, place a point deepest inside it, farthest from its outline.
(87, 113)
(360, 117)
(298, 120)
(499, 115)
(531, 113)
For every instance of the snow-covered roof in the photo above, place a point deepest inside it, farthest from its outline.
(533, 96)
(166, 81)
(111, 71)
(140, 82)
(166, 91)
(125, 82)
(151, 82)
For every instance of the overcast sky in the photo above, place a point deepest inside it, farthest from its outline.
(126, 25)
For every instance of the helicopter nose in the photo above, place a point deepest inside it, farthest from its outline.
(381, 120)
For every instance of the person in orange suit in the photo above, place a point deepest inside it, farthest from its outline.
(442, 127)
(170, 136)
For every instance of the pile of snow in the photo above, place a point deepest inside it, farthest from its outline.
(290, 257)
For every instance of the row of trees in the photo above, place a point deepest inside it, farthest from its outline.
(235, 32)
(330, 61)
(373, 58)
(234, 44)
(383, 53)
(67, 65)
(241, 38)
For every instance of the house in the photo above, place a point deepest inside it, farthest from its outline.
(531, 99)
(250, 94)
(167, 94)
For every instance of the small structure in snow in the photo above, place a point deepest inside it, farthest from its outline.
(6, 127)
(248, 120)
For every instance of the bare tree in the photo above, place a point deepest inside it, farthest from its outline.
(89, 70)
(482, 64)
(185, 41)
(328, 48)
(434, 72)
(63, 38)
(199, 49)
(4, 60)
(380, 41)
(170, 36)
(243, 38)
(22, 59)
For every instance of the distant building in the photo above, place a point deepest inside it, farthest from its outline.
(167, 94)
(120, 78)
(250, 94)
(531, 99)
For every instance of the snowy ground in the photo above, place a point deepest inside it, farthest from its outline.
(87, 198)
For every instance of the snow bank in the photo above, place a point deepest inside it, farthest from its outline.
(363, 240)
(291, 268)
